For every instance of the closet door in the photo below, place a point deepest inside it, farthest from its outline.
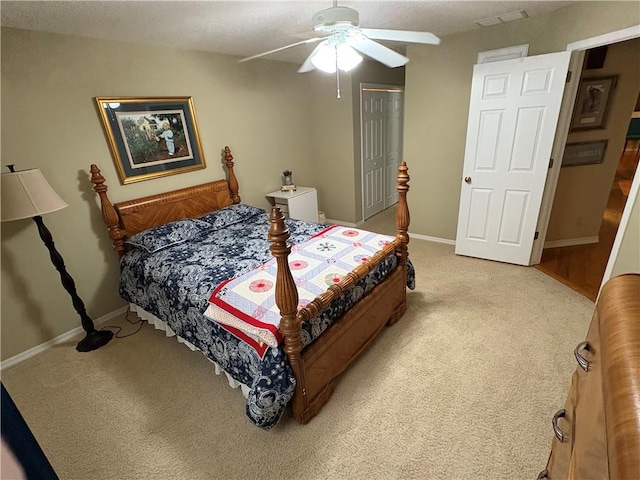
(393, 145)
(373, 150)
(382, 120)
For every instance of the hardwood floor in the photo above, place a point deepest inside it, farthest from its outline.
(582, 267)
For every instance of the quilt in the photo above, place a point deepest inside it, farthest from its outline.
(245, 305)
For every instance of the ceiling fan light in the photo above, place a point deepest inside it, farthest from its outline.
(348, 58)
(325, 58)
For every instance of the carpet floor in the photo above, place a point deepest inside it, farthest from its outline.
(463, 386)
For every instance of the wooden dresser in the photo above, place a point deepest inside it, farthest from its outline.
(597, 432)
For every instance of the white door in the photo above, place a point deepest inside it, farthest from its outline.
(513, 113)
(393, 145)
(373, 152)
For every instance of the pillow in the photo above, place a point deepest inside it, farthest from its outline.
(230, 215)
(158, 238)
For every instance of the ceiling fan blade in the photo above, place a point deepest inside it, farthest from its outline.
(307, 66)
(405, 36)
(309, 40)
(379, 52)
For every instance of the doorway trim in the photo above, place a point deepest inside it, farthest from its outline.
(577, 50)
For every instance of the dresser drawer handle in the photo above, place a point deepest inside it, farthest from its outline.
(543, 474)
(559, 433)
(583, 362)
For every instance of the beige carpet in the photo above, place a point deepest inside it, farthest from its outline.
(464, 386)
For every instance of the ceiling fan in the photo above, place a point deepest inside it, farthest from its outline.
(344, 41)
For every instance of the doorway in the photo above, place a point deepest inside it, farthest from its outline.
(580, 260)
(582, 267)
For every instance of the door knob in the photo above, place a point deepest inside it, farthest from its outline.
(467, 179)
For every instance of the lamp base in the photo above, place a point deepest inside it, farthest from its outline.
(94, 340)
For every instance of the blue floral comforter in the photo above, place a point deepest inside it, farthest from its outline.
(172, 270)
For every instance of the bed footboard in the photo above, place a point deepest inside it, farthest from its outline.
(317, 366)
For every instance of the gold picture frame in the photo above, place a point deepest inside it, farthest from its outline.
(151, 137)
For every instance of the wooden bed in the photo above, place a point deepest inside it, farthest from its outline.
(316, 366)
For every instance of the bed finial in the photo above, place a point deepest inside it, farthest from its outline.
(109, 214)
(233, 181)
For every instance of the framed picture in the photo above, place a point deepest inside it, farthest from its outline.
(151, 137)
(592, 102)
(584, 153)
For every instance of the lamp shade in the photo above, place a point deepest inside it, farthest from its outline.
(325, 57)
(26, 194)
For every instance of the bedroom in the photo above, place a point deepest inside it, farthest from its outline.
(263, 111)
(267, 99)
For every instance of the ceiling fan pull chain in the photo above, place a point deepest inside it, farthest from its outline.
(337, 73)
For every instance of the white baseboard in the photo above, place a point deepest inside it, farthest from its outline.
(340, 222)
(411, 235)
(432, 239)
(9, 362)
(570, 242)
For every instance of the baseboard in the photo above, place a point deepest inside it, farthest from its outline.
(340, 222)
(432, 239)
(571, 242)
(9, 362)
(411, 235)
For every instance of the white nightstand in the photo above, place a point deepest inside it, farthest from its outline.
(302, 204)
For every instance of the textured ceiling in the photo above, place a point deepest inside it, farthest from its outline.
(244, 27)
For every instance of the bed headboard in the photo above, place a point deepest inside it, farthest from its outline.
(127, 218)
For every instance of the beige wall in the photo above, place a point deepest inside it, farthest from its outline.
(49, 121)
(583, 191)
(438, 83)
(332, 145)
(262, 110)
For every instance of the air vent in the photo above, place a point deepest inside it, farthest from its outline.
(504, 18)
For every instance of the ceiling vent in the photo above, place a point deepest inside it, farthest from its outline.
(504, 18)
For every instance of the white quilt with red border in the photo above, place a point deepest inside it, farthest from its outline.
(245, 305)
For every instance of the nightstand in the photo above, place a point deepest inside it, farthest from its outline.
(301, 204)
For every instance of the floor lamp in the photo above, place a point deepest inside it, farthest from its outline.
(27, 194)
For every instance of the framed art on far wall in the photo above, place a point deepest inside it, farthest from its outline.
(584, 153)
(592, 103)
(151, 137)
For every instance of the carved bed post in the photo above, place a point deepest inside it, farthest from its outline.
(402, 213)
(109, 214)
(402, 226)
(233, 181)
(287, 302)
